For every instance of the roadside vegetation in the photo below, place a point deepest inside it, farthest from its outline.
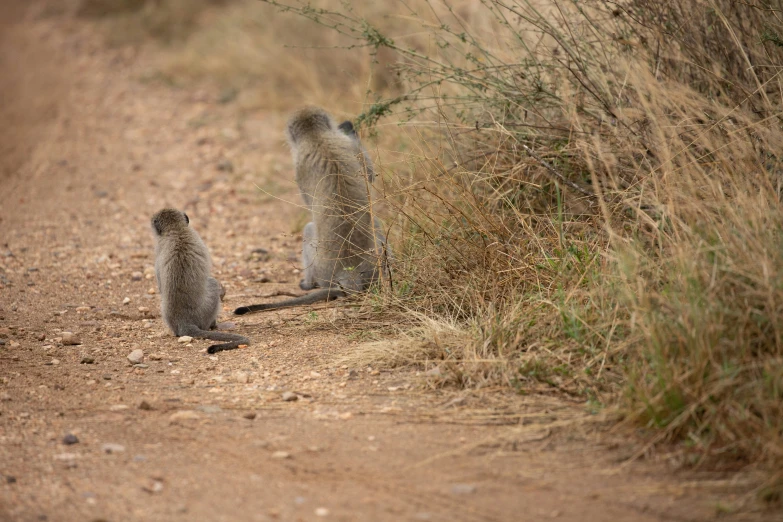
(584, 196)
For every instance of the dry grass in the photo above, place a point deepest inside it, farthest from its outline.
(594, 195)
(424, 345)
(582, 194)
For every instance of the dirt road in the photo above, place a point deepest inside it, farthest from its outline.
(91, 150)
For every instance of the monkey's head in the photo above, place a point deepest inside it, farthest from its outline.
(308, 121)
(347, 128)
(169, 219)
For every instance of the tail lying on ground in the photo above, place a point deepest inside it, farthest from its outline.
(323, 294)
(234, 340)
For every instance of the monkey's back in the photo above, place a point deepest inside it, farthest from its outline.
(332, 180)
(183, 268)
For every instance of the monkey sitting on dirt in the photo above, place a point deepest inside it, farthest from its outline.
(344, 248)
(190, 297)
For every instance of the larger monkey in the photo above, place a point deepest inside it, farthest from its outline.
(190, 297)
(343, 246)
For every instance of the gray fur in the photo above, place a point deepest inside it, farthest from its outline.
(347, 128)
(343, 244)
(190, 297)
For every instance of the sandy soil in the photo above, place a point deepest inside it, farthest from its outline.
(90, 149)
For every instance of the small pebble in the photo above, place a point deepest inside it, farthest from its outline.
(463, 489)
(250, 415)
(185, 339)
(144, 405)
(126, 300)
(118, 407)
(184, 415)
(225, 165)
(10, 479)
(281, 455)
(290, 396)
(70, 439)
(136, 356)
(136, 276)
(156, 486)
(241, 377)
(88, 360)
(322, 512)
(110, 447)
(144, 309)
(41, 336)
(66, 456)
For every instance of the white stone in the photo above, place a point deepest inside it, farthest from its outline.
(136, 356)
(110, 447)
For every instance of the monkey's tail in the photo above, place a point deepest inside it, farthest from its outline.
(234, 339)
(323, 294)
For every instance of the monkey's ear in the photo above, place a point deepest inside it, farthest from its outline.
(347, 128)
(187, 219)
(291, 136)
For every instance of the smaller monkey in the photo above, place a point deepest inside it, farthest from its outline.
(190, 297)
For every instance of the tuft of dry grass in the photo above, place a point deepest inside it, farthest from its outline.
(426, 345)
